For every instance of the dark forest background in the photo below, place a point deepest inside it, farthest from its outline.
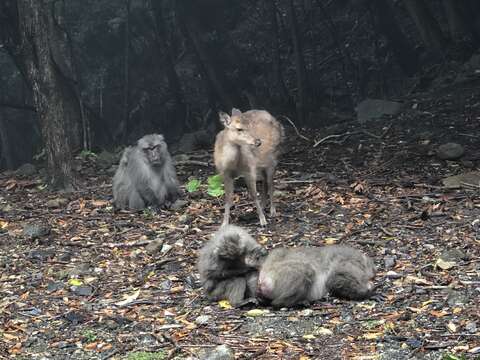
(96, 74)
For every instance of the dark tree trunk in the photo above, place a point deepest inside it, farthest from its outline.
(40, 49)
(462, 22)
(124, 125)
(279, 90)
(426, 24)
(301, 101)
(386, 24)
(191, 32)
(165, 48)
(6, 160)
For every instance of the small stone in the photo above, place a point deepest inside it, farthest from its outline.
(454, 255)
(450, 151)
(455, 298)
(79, 270)
(34, 231)
(65, 257)
(82, 290)
(55, 286)
(471, 327)
(75, 317)
(203, 320)
(166, 248)
(42, 255)
(26, 170)
(178, 204)
(389, 262)
(56, 203)
(221, 352)
(154, 246)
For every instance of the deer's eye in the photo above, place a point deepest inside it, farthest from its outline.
(239, 130)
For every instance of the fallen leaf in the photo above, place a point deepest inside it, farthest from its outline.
(444, 265)
(224, 304)
(128, 298)
(256, 312)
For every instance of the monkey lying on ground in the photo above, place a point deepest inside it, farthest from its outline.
(145, 175)
(224, 268)
(300, 275)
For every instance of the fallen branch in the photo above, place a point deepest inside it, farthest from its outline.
(192, 162)
(295, 128)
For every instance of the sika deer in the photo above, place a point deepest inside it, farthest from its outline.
(248, 147)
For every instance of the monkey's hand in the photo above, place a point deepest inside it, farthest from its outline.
(376, 296)
(248, 301)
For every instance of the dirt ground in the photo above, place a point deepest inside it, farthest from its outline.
(91, 283)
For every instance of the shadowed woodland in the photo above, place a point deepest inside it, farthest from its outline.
(379, 100)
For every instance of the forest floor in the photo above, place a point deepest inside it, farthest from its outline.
(80, 281)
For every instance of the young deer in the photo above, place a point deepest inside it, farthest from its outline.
(248, 147)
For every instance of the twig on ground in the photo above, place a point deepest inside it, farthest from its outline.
(295, 128)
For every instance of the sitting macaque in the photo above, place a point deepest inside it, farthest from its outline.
(300, 275)
(224, 268)
(145, 175)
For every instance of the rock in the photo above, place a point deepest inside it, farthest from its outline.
(221, 352)
(462, 180)
(455, 298)
(166, 248)
(55, 286)
(82, 290)
(370, 109)
(75, 317)
(34, 231)
(81, 269)
(450, 151)
(56, 203)
(42, 255)
(26, 170)
(106, 159)
(453, 255)
(155, 246)
(178, 204)
(194, 141)
(389, 262)
(66, 256)
(471, 327)
(203, 320)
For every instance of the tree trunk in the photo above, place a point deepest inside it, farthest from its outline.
(40, 48)
(191, 32)
(124, 126)
(386, 24)
(165, 48)
(301, 101)
(426, 24)
(279, 92)
(6, 158)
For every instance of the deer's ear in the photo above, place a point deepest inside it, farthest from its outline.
(225, 119)
(236, 112)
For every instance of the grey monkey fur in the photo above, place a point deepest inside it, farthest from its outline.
(145, 175)
(225, 265)
(300, 275)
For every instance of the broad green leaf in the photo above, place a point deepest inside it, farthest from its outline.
(193, 185)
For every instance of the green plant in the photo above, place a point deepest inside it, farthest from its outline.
(453, 357)
(215, 185)
(89, 336)
(87, 153)
(143, 355)
(193, 185)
